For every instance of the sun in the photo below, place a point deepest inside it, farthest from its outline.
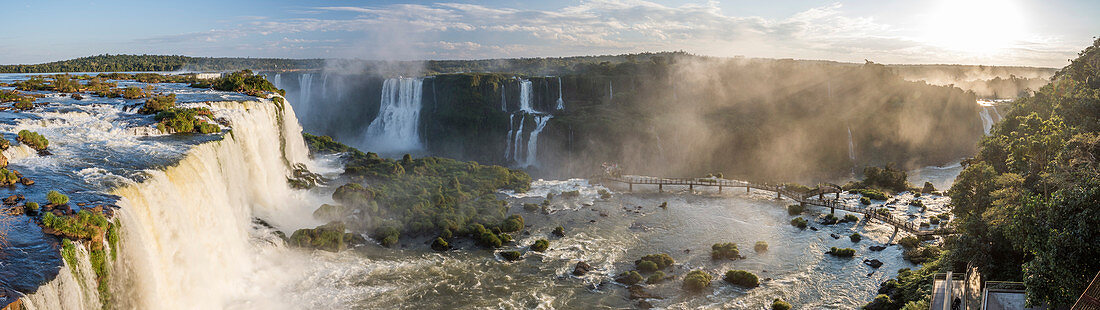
(975, 26)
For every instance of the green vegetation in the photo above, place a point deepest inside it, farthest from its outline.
(540, 245)
(838, 252)
(1025, 206)
(185, 120)
(440, 245)
(655, 278)
(799, 222)
(864, 201)
(158, 103)
(329, 237)
(661, 261)
(697, 280)
(33, 140)
(111, 63)
(795, 209)
(927, 189)
(724, 251)
(31, 206)
(855, 237)
(515, 255)
(604, 194)
(741, 278)
(243, 81)
(888, 178)
(850, 218)
(629, 278)
(57, 198)
(761, 246)
(647, 266)
(870, 193)
(911, 287)
(559, 231)
(779, 304)
(8, 177)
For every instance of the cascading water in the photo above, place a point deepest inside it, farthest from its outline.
(187, 241)
(305, 82)
(517, 139)
(987, 121)
(525, 97)
(561, 102)
(395, 129)
(533, 141)
(324, 86)
(278, 80)
(610, 91)
(508, 139)
(503, 101)
(74, 287)
(851, 146)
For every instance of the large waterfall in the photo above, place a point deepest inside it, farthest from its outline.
(517, 139)
(73, 288)
(851, 146)
(533, 141)
(395, 127)
(525, 97)
(278, 80)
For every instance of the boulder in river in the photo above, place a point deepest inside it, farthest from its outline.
(581, 268)
(638, 292)
(877, 248)
(874, 263)
(13, 199)
(26, 181)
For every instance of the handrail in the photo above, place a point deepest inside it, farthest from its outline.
(806, 197)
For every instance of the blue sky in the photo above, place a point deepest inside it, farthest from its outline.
(998, 32)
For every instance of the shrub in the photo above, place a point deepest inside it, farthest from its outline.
(864, 201)
(31, 206)
(851, 218)
(779, 304)
(795, 209)
(661, 260)
(133, 93)
(647, 266)
(184, 120)
(440, 245)
(921, 255)
(604, 194)
(761, 246)
(909, 242)
(33, 140)
(871, 193)
(629, 278)
(829, 219)
(838, 252)
(514, 223)
(571, 194)
(742, 278)
(799, 222)
(934, 220)
(158, 104)
(559, 231)
(928, 188)
(387, 235)
(512, 255)
(855, 237)
(881, 302)
(57, 198)
(328, 237)
(530, 207)
(540, 245)
(726, 250)
(697, 280)
(655, 278)
(888, 177)
(25, 103)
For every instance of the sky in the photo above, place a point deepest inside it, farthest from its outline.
(993, 32)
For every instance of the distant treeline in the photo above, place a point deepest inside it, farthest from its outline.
(136, 63)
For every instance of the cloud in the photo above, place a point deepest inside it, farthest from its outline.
(463, 30)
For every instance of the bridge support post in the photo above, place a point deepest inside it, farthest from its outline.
(832, 210)
(719, 189)
(837, 195)
(778, 195)
(691, 188)
(820, 196)
(747, 188)
(660, 188)
(802, 204)
(631, 187)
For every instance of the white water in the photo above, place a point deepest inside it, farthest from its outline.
(561, 102)
(71, 289)
(525, 97)
(508, 140)
(278, 80)
(610, 92)
(533, 141)
(997, 113)
(503, 101)
(186, 238)
(395, 127)
(305, 82)
(324, 86)
(851, 146)
(517, 139)
(987, 121)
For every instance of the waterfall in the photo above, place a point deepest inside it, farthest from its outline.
(278, 80)
(508, 140)
(561, 103)
(533, 141)
(987, 121)
(851, 146)
(395, 128)
(610, 92)
(73, 288)
(305, 82)
(525, 97)
(503, 101)
(324, 86)
(518, 138)
(186, 238)
(998, 113)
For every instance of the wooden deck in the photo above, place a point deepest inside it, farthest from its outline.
(815, 197)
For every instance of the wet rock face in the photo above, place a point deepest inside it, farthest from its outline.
(874, 263)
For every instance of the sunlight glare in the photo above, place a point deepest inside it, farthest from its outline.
(976, 26)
